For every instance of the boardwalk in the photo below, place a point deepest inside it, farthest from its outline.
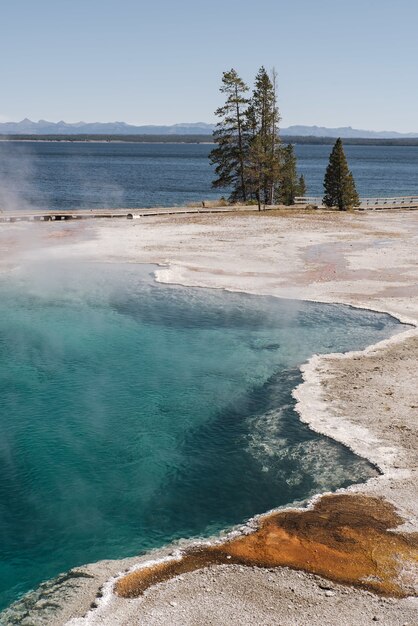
(402, 202)
(80, 214)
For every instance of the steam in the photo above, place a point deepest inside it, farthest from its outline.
(17, 178)
(52, 176)
(27, 187)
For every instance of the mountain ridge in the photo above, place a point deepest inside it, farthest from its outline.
(43, 127)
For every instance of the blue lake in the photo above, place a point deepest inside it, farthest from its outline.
(96, 175)
(132, 414)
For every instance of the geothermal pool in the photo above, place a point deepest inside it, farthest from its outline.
(133, 413)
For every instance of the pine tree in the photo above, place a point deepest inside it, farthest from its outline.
(247, 157)
(288, 178)
(264, 148)
(255, 170)
(339, 185)
(229, 155)
(301, 186)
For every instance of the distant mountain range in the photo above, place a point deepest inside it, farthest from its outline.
(27, 127)
(345, 132)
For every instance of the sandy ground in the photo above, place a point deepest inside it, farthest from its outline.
(367, 400)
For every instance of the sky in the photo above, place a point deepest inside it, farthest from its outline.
(339, 62)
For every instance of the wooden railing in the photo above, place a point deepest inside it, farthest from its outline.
(314, 200)
(400, 201)
(380, 202)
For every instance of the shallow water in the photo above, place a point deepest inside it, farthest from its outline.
(134, 413)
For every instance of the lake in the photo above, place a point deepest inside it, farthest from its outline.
(63, 176)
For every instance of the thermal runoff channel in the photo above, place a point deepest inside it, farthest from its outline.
(133, 414)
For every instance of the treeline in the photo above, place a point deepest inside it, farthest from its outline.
(249, 158)
(112, 138)
(293, 139)
(350, 141)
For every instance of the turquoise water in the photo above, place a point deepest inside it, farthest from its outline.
(132, 414)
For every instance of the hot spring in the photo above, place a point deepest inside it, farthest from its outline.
(133, 413)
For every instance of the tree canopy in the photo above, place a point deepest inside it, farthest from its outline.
(339, 186)
(289, 184)
(248, 155)
(231, 137)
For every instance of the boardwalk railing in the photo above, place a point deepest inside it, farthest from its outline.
(398, 202)
(314, 200)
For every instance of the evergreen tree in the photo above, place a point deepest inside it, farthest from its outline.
(229, 155)
(247, 157)
(301, 186)
(264, 151)
(288, 180)
(339, 185)
(255, 170)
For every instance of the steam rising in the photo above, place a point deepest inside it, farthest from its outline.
(17, 178)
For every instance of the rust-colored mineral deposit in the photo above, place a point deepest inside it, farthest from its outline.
(345, 538)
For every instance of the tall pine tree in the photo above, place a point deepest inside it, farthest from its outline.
(339, 186)
(247, 157)
(289, 184)
(301, 186)
(255, 170)
(264, 148)
(230, 136)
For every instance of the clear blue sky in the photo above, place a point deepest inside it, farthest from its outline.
(340, 62)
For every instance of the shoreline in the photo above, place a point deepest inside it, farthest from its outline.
(309, 401)
(310, 392)
(199, 138)
(305, 395)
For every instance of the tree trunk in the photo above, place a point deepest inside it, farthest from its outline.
(241, 158)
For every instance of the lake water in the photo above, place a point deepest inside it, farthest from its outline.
(95, 175)
(132, 413)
